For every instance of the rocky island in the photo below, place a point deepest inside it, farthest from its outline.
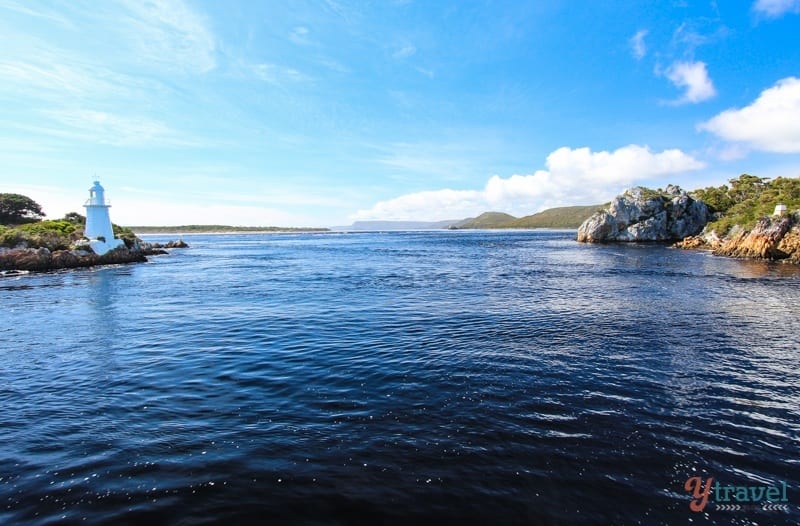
(752, 218)
(28, 243)
(641, 214)
(53, 245)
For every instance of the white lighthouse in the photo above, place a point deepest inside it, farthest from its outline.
(98, 223)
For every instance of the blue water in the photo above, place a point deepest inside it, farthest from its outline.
(396, 378)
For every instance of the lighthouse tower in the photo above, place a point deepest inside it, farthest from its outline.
(98, 223)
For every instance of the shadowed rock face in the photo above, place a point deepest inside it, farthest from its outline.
(640, 214)
(43, 259)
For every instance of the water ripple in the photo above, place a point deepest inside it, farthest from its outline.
(503, 377)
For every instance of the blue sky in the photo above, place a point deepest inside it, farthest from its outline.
(318, 113)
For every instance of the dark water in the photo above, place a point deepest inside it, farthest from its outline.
(472, 377)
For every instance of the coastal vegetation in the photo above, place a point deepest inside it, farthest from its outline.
(60, 234)
(17, 209)
(747, 199)
(21, 224)
(53, 235)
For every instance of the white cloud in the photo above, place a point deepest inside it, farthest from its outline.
(776, 8)
(771, 123)
(573, 176)
(169, 33)
(638, 46)
(692, 76)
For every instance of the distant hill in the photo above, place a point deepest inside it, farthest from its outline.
(383, 226)
(487, 220)
(561, 217)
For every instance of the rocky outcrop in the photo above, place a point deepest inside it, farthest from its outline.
(640, 214)
(42, 259)
(790, 245)
(703, 241)
(39, 259)
(760, 243)
(772, 238)
(180, 243)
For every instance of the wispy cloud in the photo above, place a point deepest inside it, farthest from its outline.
(572, 176)
(693, 77)
(770, 123)
(427, 72)
(58, 76)
(404, 52)
(638, 46)
(38, 12)
(168, 33)
(300, 35)
(776, 8)
(113, 129)
(278, 75)
(452, 158)
(334, 65)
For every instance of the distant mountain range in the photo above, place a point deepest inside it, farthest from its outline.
(561, 217)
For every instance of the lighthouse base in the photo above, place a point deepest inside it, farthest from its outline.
(103, 247)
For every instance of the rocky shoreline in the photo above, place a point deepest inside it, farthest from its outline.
(672, 216)
(13, 260)
(772, 238)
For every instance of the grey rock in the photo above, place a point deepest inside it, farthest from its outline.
(640, 214)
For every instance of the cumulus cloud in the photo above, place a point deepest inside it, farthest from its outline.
(638, 47)
(776, 8)
(771, 123)
(693, 77)
(573, 176)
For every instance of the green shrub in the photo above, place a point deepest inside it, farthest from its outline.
(9, 237)
(747, 199)
(54, 235)
(49, 227)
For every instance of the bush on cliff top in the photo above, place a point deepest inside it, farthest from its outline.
(747, 199)
(16, 209)
(53, 235)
